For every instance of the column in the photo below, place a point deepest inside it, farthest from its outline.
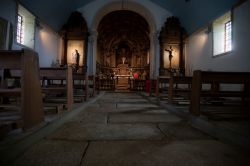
(92, 52)
(154, 54)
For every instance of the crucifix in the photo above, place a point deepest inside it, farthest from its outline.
(170, 55)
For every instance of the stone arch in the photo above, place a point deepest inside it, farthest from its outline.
(131, 6)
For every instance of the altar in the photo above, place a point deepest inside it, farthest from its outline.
(122, 76)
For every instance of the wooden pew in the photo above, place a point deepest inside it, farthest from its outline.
(215, 80)
(179, 85)
(30, 89)
(173, 86)
(161, 86)
(85, 83)
(56, 80)
(80, 85)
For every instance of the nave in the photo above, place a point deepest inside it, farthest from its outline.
(124, 129)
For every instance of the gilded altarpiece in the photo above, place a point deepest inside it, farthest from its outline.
(172, 58)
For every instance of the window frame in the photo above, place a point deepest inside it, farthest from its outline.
(224, 35)
(16, 24)
(20, 30)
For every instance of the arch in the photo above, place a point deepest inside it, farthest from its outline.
(123, 29)
(130, 6)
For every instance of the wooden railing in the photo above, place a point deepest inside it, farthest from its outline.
(137, 85)
(105, 84)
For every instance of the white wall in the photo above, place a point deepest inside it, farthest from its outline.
(46, 40)
(47, 44)
(199, 50)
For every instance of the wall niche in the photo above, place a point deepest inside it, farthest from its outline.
(172, 58)
(75, 40)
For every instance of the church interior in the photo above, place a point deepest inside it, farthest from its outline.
(124, 82)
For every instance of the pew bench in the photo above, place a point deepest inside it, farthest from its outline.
(58, 82)
(217, 81)
(23, 66)
(162, 86)
(179, 86)
(173, 87)
(84, 85)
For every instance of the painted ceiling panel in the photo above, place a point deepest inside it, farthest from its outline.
(192, 13)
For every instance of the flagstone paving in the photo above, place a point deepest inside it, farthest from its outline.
(125, 129)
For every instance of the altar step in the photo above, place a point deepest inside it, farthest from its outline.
(121, 87)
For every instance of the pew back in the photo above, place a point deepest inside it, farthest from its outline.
(31, 97)
(62, 74)
(216, 79)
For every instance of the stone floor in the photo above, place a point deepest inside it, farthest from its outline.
(125, 129)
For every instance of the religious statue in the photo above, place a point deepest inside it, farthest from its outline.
(76, 59)
(123, 59)
(170, 56)
(123, 55)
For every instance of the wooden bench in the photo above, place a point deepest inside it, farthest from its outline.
(173, 86)
(179, 86)
(85, 84)
(217, 80)
(161, 86)
(80, 85)
(31, 106)
(58, 80)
